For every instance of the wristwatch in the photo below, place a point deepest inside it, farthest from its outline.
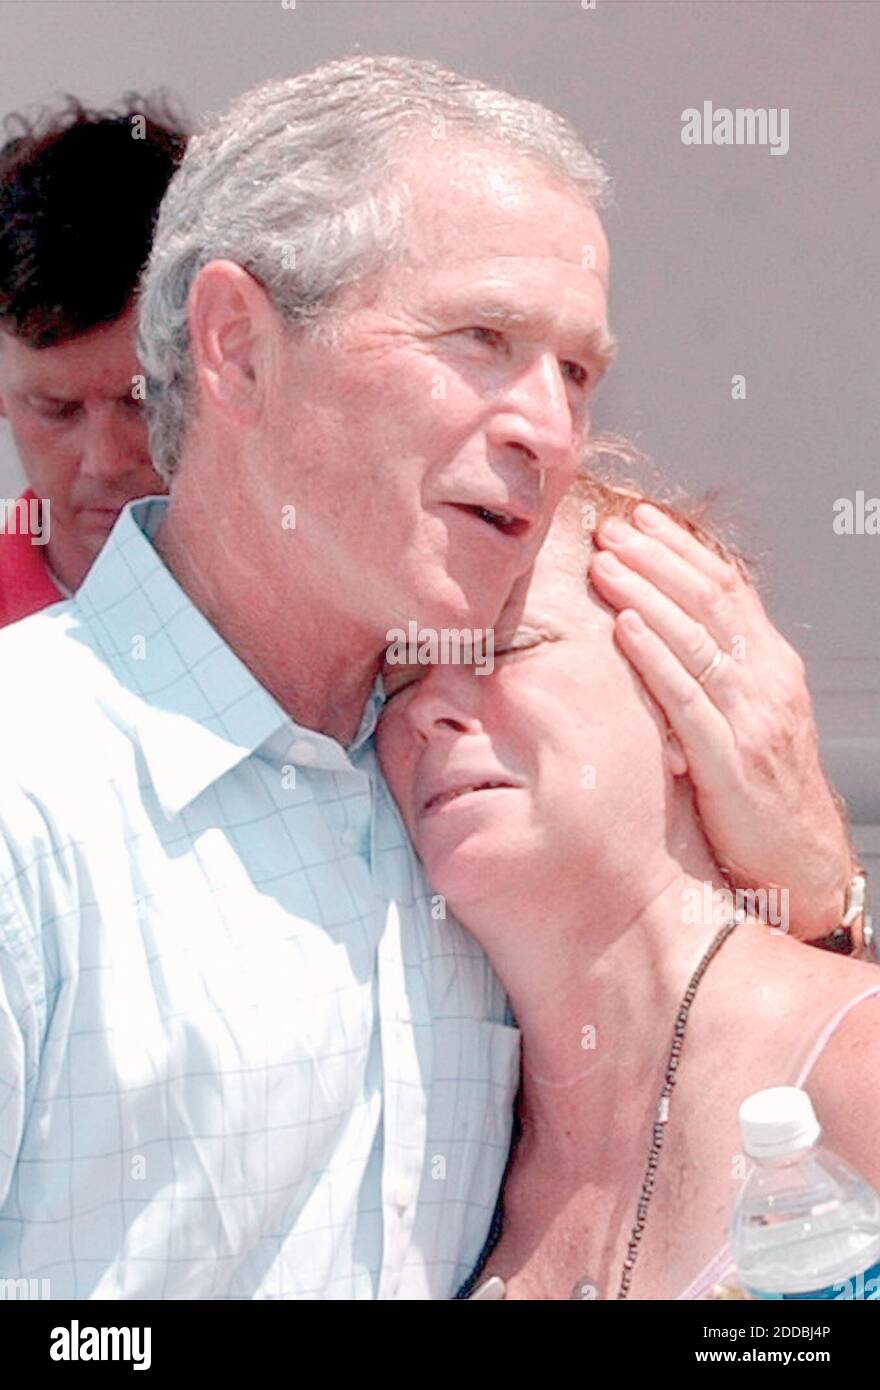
(855, 936)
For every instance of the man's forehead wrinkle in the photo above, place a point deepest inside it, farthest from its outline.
(496, 167)
(504, 187)
(461, 196)
(53, 383)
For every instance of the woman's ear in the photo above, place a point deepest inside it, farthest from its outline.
(674, 755)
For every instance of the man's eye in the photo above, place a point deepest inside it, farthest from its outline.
(486, 335)
(57, 410)
(579, 375)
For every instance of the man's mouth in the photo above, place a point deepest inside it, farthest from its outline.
(507, 523)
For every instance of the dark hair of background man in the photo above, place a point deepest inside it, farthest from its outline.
(79, 193)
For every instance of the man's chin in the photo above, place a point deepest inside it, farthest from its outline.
(468, 610)
(96, 520)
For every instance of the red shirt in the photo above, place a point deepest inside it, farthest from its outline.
(25, 582)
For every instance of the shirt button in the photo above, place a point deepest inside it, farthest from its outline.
(403, 1196)
(302, 752)
(351, 839)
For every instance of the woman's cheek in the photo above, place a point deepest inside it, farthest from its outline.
(395, 757)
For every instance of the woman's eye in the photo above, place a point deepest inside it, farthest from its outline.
(399, 686)
(390, 694)
(522, 642)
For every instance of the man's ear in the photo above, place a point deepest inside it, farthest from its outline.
(230, 319)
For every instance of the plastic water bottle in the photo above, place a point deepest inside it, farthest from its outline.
(806, 1224)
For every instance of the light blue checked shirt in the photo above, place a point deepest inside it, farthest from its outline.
(242, 1054)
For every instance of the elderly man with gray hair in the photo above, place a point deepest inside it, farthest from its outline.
(246, 1053)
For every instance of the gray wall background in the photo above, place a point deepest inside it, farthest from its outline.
(725, 259)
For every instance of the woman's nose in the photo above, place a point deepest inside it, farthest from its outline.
(447, 700)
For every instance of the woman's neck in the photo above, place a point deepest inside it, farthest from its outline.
(595, 991)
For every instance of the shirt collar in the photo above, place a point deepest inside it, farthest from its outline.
(196, 709)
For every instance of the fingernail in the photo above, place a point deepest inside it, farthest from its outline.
(648, 516)
(614, 529)
(632, 622)
(609, 564)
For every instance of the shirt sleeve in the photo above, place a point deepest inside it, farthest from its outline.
(13, 1068)
(22, 1010)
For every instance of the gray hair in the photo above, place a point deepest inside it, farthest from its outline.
(296, 184)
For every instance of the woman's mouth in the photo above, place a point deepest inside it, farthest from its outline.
(444, 797)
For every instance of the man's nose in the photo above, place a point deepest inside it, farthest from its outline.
(107, 452)
(540, 419)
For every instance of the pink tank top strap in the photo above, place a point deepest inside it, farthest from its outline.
(830, 1028)
(721, 1269)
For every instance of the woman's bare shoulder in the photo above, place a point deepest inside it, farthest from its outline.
(807, 973)
(844, 1081)
(799, 986)
(836, 973)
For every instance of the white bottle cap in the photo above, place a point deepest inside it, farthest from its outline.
(777, 1122)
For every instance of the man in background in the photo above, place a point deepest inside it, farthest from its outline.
(79, 194)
